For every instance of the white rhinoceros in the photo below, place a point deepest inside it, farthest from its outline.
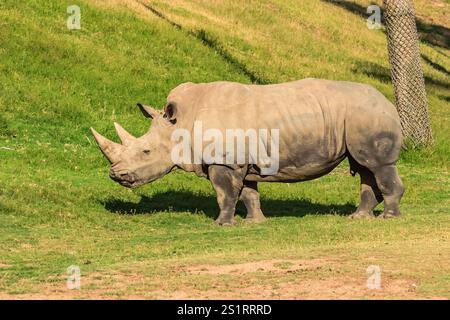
(312, 126)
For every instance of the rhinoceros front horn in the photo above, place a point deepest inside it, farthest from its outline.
(110, 149)
(124, 136)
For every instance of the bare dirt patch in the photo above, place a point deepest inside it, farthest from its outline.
(301, 290)
(266, 279)
(279, 266)
(323, 280)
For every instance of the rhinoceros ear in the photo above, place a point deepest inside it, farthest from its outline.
(147, 111)
(170, 112)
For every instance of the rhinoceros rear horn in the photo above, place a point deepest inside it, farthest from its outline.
(148, 111)
(124, 136)
(110, 149)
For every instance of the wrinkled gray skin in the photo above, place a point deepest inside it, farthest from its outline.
(320, 123)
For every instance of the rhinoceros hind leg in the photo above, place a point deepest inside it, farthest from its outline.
(250, 197)
(228, 184)
(392, 189)
(376, 146)
(370, 193)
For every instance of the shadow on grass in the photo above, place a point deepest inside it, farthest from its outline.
(444, 98)
(383, 74)
(433, 34)
(212, 43)
(188, 202)
(436, 66)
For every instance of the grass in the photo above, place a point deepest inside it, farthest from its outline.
(59, 208)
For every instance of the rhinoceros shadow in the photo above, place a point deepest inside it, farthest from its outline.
(183, 201)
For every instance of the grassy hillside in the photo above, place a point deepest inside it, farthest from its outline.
(281, 40)
(59, 208)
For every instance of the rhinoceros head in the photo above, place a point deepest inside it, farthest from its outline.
(140, 160)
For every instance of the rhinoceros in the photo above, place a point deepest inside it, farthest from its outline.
(318, 124)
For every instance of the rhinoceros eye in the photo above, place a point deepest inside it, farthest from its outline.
(146, 151)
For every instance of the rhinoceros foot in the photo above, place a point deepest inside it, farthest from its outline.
(389, 215)
(362, 215)
(225, 222)
(255, 216)
(258, 219)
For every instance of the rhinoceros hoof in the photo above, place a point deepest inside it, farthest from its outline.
(388, 215)
(361, 215)
(225, 223)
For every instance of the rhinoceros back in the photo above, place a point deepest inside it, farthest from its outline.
(311, 115)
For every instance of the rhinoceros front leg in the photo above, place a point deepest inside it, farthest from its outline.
(228, 184)
(250, 197)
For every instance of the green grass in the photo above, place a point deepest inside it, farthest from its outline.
(59, 208)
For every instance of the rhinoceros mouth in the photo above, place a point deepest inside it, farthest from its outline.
(131, 185)
(126, 179)
(128, 183)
